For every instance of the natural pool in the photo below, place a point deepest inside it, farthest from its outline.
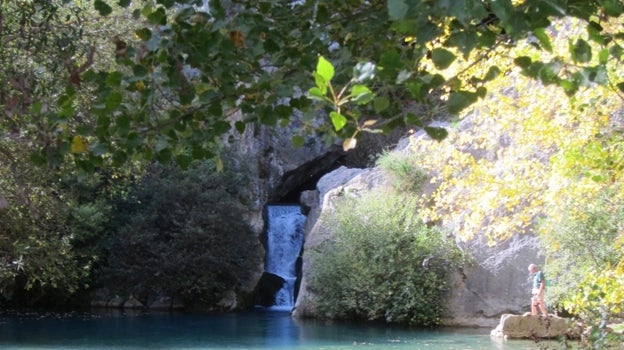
(251, 330)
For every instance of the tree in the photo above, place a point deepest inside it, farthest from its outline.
(176, 88)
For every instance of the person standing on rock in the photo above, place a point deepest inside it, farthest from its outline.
(538, 291)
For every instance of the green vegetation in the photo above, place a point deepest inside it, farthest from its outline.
(183, 233)
(93, 92)
(383, 263)
(404, 171)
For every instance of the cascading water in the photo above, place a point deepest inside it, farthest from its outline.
(284, 241)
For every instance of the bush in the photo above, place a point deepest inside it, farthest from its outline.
(404, 171)
(383, 263)
(185, 235)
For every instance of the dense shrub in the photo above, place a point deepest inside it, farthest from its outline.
(185, 234)
(382, 263)
(43, 220)
(405, 173)
(579, 249)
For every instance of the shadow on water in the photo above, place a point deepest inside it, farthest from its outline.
(251, 330)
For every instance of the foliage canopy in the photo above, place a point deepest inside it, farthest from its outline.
(190, 72)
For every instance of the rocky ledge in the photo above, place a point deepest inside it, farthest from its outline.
(536, 327)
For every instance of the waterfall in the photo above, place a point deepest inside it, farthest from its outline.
(284, 242)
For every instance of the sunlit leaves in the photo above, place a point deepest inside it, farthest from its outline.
(324, 73)
(338, 120)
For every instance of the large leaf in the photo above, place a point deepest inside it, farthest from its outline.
(442, 58)
(361, 94)
(324, 72)
(102, 8)
(397, 9)
(581, 51)
(338, 120)
(460, 100)
(436, 133)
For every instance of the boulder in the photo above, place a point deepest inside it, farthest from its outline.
(132, 303)
(166, 303)
(527, 326)
(267, 288)
(116, 302)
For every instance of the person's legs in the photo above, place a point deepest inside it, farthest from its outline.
(542, 306)
(534, 305)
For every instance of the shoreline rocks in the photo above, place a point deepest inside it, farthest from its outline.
(528, 326)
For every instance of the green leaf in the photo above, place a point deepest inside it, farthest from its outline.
(139, 70)
(324, 70)
(113, 79)
(161, 144)
(594, 31)
(620, 86)
(442, 58)
(417, 91)
(240, 126)
(413, 119)
(113, 100)
(569, 86)
(397, 9)
(464, 41)
(158, 17)
(186, 95)
(492, 73)
(603, 56)
(613, 8)
(481, 91)
(119, 158)
(380, 104)
(360, 94)
(167, 3)
(544, 39)
(436, 133)
(144, 34)
(183, 160)
(98, 149)
(502, 9)
(338, 120)
(268, 117)
(124, 3)
(283, 111)
(616, 51)
(316, 93)
(460, 100)
(298, 141)
(581, 51)
(103, 8)
(523, 61)
(38, 158)
(221, 127)
(391, 61)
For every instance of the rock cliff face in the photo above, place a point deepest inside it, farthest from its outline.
(280, 172)
(496, 284)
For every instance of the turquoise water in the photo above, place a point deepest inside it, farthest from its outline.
(253, 330)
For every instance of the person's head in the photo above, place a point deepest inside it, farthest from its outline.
(533, 268)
